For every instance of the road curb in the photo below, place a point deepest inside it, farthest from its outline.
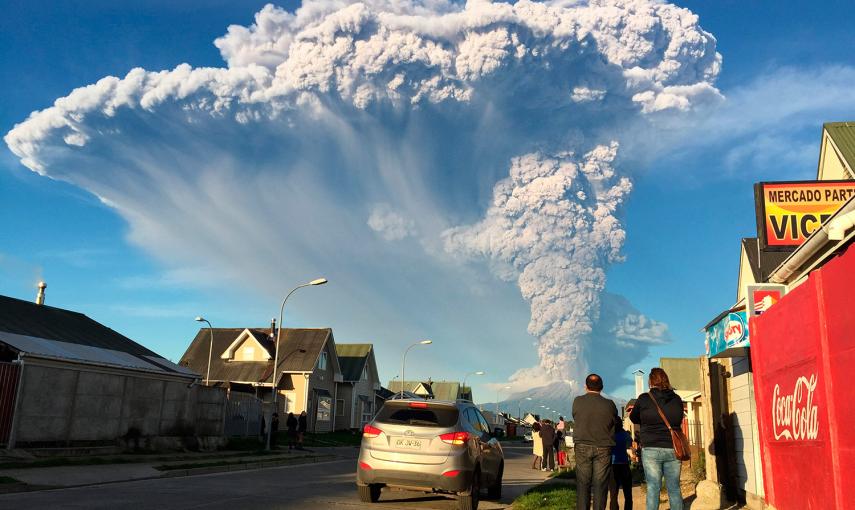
(243, 466)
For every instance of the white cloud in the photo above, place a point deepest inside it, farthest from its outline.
(266, 168)
(391, 225)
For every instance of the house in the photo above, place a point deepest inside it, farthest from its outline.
(437, 390)
(357, 400)
(69, 380)
(241, 359)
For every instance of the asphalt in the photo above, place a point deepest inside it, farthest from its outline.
(323, 485)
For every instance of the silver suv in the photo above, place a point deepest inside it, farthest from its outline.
(430, 446)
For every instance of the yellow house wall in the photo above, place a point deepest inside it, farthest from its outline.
(831, 165)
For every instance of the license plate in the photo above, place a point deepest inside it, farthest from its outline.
(408, 444)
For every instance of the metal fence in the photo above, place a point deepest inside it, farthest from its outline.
(243, 415)
(9, 377)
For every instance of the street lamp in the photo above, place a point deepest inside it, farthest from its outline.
(519, 406)
(210, 348)
(497, 400)
(480, 372)
(318, 281)
(404, 361)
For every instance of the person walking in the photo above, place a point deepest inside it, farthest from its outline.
(595, 419)
(561, 424)
(302, 427)
(621, 475)
(274, 429)
(547, 435)
(291, 425)
(536, 446)
(657, 447)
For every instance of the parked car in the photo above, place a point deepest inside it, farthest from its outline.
(431, 446)
(528, 437)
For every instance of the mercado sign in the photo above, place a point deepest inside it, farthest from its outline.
(789, 212)
(728, 336)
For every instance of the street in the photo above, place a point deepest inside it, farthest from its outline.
(323, 485)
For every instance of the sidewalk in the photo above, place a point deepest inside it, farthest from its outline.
(128, 467)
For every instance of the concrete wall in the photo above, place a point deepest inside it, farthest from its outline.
(64, 403)
(744, 425)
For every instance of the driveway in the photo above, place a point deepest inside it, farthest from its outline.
(310, 486)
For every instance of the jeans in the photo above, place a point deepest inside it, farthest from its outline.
(593, 470)
(658, 462)
(621, 480)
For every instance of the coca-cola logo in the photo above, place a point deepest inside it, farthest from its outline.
(794, 415)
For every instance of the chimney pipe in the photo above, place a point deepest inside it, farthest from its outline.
(639, 382)
(273, 327)
(40, 297)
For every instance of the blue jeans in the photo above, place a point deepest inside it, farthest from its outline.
(658, 462)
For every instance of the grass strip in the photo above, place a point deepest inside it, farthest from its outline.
(550, 496)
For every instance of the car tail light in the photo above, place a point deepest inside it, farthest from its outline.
(419, 405)
(451, 473)
(371, 432)
(456, 438)
(364, 466)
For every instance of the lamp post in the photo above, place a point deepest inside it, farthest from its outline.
(519, 405)
(210, 348)
(497, 401)
(318, 281)
(480, 372)
(404, 361)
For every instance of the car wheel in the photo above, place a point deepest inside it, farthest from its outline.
(495, 490)
(469, 500)
(368, 493)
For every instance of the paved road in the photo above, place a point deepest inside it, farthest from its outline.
(311, 486)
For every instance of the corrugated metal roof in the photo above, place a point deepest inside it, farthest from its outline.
(76, 352)
(48, 331)
(843, 134)
(352, 359)
(290, 358)
(42, 321)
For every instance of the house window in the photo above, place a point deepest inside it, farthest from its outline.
(365, 373)
(324, 408)
(322, 361)
(339, 407)
(367, 411)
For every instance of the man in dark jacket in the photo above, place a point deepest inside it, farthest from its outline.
(547, 435)
(302, 427)
(595, 418)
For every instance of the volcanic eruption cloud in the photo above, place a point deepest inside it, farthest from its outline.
(467, 132)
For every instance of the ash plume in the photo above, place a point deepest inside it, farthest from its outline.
(388, 122)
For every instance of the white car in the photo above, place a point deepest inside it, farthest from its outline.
(527, 437)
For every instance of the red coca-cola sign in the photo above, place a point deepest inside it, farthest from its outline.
(795, 411)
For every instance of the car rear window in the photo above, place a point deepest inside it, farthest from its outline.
(432, 416)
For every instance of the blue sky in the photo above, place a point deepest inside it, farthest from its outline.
(690, 205)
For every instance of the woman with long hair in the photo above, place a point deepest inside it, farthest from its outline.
(657, 447)
(537, 445)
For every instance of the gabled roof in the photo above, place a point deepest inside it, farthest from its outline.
(292, 341)
(439, 390)
(56, 333)
(352, 359)
(762, 262)
(843, 135)
(262, 337)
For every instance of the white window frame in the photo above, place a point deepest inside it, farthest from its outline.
(365, 373)
(322, 361)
